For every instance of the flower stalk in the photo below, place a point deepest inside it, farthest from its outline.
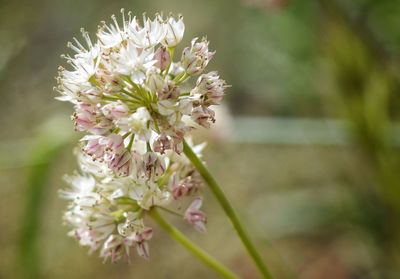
(223, 271)
(227, 207)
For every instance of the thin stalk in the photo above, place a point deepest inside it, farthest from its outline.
(130, 94)
(126, 135)
(170, 211)
(194, 249)
(171, 51)
(112, 98)
(129, 147)
(227, 207)
(183, 78)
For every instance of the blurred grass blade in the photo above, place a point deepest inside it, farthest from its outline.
(47, 146)
(36, 186)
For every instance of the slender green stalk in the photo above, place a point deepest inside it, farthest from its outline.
(170, 211)
(195, 250)
(227, 207)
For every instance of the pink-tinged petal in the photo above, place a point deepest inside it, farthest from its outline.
(196, 204)
(143, 249)
(121, 163)
(145, 234)
(202, 115)
(94, 148)
(162, 57)
(200, 227)
(194, 216)
(161, 144)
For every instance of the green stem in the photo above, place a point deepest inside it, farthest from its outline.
(170, 211)
(183, 78)
(129, 147)
(227, 207)
(113, 98)
(194, 249)
(171, 51)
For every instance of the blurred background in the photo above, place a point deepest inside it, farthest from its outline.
(307, 143)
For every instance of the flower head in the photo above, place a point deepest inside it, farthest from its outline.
(131, 100)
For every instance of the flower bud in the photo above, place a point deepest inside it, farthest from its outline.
(209, 90)
(196, 58)
(202, 115)
(94, 148)
(102, 127)
(115, 110)
(161, 144)
(154, 81)
(186, 186)
(163, 58)
(84, 116)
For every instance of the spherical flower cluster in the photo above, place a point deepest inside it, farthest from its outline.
(135, 106)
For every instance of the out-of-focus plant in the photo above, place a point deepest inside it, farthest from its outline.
(39, 154)
(364, 87)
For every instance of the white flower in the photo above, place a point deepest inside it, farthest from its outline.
(112, 35)
(73, 83)
(90, 166)
(81, 189)
(174, 31)
(154, 81)
(84, 65)
(149, 194)
(132, 224)
(152, 32)
(132, 62)
(137, 123)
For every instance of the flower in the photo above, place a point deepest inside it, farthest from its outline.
(112, 35)
(131, 101)
(174, 31)
(115, 110)
(163, 58)
(150, 34)
(209, 90)
(194, 216)
(132, 62)
(196, 58)
(203, 115)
